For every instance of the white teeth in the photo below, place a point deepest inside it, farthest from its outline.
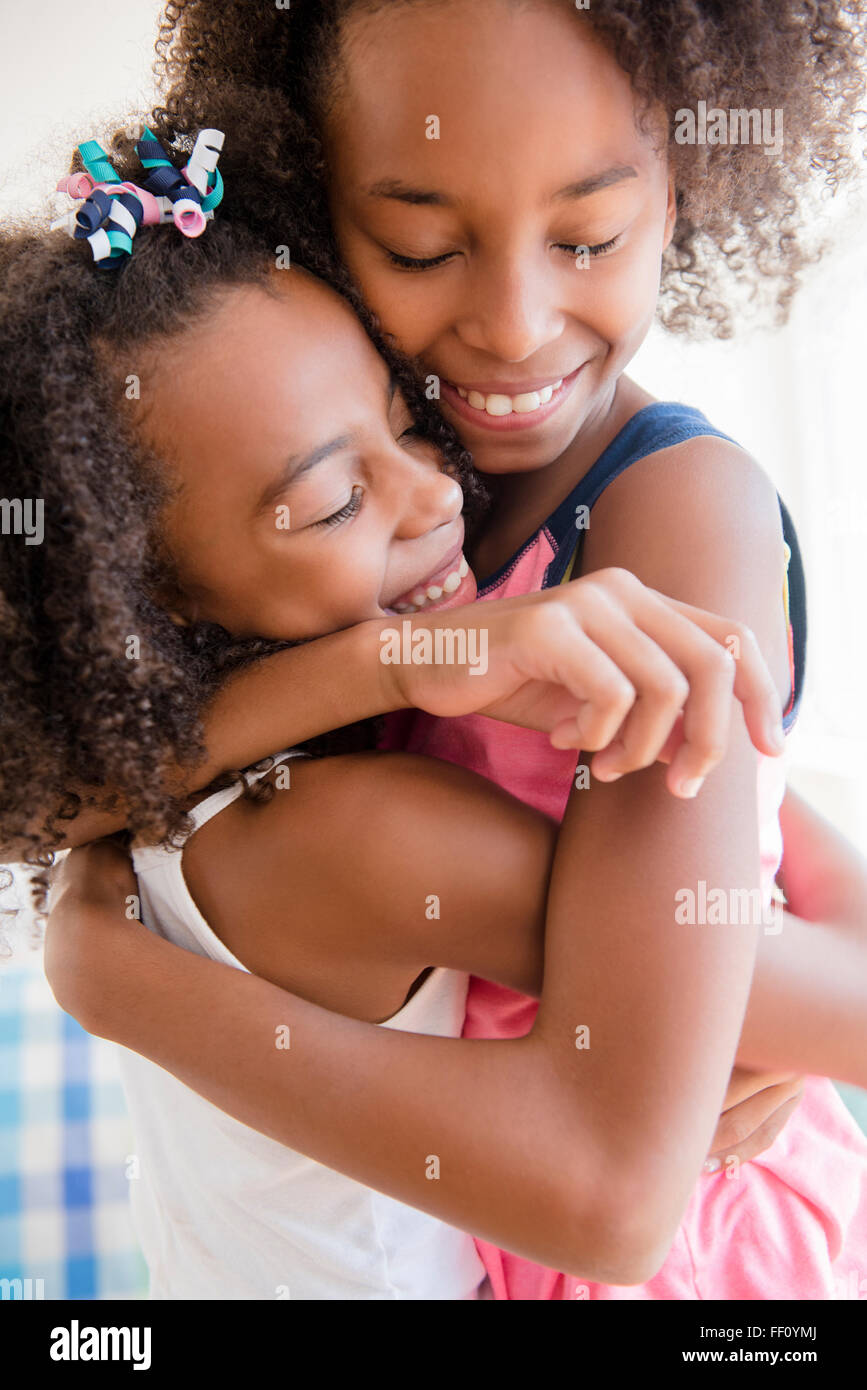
(422, 597)
(499, 405)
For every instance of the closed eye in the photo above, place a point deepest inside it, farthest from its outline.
(351, 509)
(417, 263)
(411, 432)
(598, 250)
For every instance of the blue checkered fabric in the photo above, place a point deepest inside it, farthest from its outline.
(65, 1138)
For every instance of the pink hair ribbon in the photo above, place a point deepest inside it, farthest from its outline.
(109, 212)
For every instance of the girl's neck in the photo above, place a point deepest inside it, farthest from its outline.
(523, 501)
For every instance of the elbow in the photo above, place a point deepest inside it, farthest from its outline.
(632, 1253)
(626, 1236)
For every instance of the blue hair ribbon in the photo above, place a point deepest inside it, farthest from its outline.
(112, 211)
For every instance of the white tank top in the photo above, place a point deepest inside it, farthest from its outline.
(222, 1212)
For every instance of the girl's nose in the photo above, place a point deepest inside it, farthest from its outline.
(509, 312)
(428, 498)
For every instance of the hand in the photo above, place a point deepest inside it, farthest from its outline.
(89, 891)
(606, 663)
(757, 1106)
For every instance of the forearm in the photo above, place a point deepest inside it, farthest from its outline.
(580, 1154)
(275, 703)
(823, 874)
(475, 1133)
(296, 695)
(808, 1004)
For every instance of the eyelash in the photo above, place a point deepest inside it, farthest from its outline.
(411, 263)
(352, 508)
(591, 250)
(416, 263)
(411, 432)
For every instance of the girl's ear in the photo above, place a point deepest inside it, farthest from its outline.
(670, 213)
(167, 597)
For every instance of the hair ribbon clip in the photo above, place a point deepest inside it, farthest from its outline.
(110, 211)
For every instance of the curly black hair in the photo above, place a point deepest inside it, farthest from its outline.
(83, 708)
(742, 217)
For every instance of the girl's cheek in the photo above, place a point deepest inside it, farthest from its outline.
(407, 311)
(627, 297)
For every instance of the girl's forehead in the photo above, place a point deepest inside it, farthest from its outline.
(287, 340)
(452, 83)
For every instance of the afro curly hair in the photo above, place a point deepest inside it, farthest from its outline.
(744, 220)
(88, 715)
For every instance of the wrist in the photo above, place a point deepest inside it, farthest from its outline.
(388, 692)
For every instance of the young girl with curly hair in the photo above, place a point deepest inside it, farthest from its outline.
(124, 617)
(582, 1155)
(484, 227)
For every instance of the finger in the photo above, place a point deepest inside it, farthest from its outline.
(744, 1082)
(736, 1124)
(754, 686)
(661, 690)
(669, 748)
(563, 654)
(758, 1142)
(709, 670)
(672, 743)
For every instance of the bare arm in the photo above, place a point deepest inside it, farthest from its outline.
(428, 864)
(808, 1005)
(612, 1134)
(823, 875)
(551, 658)
(809, 996)
(280, 701)
(529, 1155)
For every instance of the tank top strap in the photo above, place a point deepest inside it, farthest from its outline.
(218, 801)
(658, 426)
(149, 856)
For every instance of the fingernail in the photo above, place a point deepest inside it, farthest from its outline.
(712, 1165)
(692, 787)
(607, 776)
(778, 737)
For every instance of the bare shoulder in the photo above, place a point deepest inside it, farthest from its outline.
(288, 884)
(325, 889)
(701, 522)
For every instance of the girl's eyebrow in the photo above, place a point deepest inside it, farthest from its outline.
(400, 192)
(404, 193)
(584, 187)
(298, 464)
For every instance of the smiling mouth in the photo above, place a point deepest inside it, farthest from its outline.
(497, 404)
(517, 410)
(442, 585)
